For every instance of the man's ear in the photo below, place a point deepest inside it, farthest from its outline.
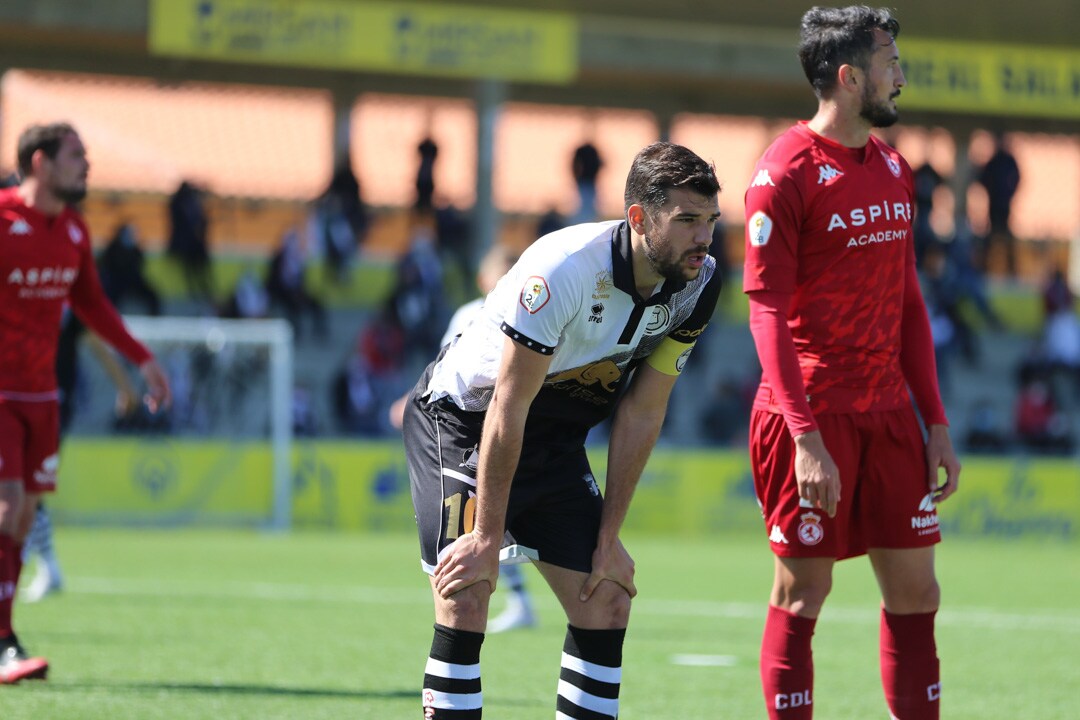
(635, 216)
(848, 77)
(37, 160)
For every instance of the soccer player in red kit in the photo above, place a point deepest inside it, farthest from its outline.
(45, 262)
(840, 463)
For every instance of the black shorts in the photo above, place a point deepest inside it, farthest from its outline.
(554, 505)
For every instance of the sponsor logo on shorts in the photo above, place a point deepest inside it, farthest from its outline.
(777, 536)
(470, 459)
(46, 474)
(926, 524)
(810, 530)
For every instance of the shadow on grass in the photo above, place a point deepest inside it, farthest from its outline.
(411, 694)
(238, 689)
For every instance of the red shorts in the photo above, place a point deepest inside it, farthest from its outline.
(30, 443)
(885, 499)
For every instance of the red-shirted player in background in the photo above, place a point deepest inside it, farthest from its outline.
(840, 464)
(45, 261)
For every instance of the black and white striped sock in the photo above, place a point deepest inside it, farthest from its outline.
(452, 676)
(591, 674)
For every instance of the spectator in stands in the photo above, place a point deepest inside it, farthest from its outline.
(1001, 178)
(418, 295)
(189, 241)
(585, 166)
(248, 300)
(1041, 425)
(926, 181)
(372, 377)
(122, 268)
(453, 239)
(1057, 296)
(425, 174)
(286, 287)
(549, 222)
(340, 222)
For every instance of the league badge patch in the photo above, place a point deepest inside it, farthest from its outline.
(535, 294)
(759, 228)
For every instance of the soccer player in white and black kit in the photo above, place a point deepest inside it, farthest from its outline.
(590, 313)
(840, 464)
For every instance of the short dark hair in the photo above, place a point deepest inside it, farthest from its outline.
(46, 138)
(664, 166)
(831, 37)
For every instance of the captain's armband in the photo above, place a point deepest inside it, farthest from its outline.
(670, 357)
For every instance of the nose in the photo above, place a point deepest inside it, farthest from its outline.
(901, 81)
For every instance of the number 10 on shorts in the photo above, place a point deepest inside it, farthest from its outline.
(461, 514)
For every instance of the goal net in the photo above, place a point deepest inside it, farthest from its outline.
(220, 455)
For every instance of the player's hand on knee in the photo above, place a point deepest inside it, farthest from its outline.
(610, 562)
(470, 559)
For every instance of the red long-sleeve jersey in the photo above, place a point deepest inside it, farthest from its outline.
(46, 262)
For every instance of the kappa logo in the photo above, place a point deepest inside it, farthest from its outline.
(927, 503)
(20, 227)
(535, 294)
(777, 536)
(762, 179)
(827, 175)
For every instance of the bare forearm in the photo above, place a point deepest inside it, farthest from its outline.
(501, 450)
(633, 437)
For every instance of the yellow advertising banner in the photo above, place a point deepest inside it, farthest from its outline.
(396, 37)
(981, 78)
(364, 485)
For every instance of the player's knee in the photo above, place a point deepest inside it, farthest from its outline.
(803, 598)
(466, 609)
(613, 610)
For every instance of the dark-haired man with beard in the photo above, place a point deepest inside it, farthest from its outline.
(840, 464)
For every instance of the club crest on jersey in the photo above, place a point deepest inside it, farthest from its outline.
(827, 175)
(535, 294)
(759, 228)
(810, 530)
(894, 166)
(661, 318)
(75, 233)
(604, 284)
(20, 227)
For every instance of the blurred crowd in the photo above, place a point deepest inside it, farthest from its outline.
(392, 341)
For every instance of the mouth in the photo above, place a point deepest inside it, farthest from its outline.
(696, 260)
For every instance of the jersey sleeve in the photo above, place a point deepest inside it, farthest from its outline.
(671, 355)
(773, 220)
(539, 305)
(90, 304)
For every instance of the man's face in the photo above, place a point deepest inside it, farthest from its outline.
(65, 175)
(884, 78)
(678, 234)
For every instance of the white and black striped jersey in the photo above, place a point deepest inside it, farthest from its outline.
(571, 295)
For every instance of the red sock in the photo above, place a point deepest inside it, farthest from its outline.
(8, 553)
(787, 665)
(910, 670)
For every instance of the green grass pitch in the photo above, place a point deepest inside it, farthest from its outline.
(220, 625)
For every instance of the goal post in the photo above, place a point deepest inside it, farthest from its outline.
(230, 338)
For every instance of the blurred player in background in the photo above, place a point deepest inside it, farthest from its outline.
(840, 464)
(519, 612)
(585, 313)
(45, 261)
